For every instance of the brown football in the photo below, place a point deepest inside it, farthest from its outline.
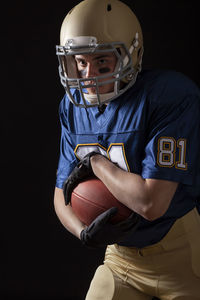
(91, 198)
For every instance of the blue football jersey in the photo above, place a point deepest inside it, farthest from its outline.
(152, 130)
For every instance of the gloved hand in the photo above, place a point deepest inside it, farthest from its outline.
(82, 171)
(101, 232)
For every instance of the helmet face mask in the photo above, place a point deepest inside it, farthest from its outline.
(121, 78)
(70, 77)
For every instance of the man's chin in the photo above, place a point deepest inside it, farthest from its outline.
(92, 91)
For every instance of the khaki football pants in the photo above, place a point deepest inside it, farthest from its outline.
(168, 270)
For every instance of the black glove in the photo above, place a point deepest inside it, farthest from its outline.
(101, 232)
(82, 171)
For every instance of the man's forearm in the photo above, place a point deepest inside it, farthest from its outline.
(66, 214)
(150, 198)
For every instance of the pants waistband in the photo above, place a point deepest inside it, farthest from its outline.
(188, 224)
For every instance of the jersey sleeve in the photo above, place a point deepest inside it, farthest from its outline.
(172, 148)
(67, 159)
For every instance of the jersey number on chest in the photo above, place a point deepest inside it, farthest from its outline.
(115, 152)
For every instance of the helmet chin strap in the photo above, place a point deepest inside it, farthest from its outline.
(92, 98)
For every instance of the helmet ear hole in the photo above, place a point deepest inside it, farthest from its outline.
(119, 51)
(109, 7)
(139, 51)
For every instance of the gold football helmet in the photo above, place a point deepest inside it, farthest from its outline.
(100, 26)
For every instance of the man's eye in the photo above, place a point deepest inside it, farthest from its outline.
(82, 62)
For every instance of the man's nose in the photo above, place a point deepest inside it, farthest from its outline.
(90, 72)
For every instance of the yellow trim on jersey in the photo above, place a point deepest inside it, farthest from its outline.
(123, 151)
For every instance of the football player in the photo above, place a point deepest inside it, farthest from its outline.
(137, 131)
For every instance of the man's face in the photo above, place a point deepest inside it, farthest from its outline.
(92, 65)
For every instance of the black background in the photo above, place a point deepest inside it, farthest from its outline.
(39, 258)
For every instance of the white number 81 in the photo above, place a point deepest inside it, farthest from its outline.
(166, 157)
